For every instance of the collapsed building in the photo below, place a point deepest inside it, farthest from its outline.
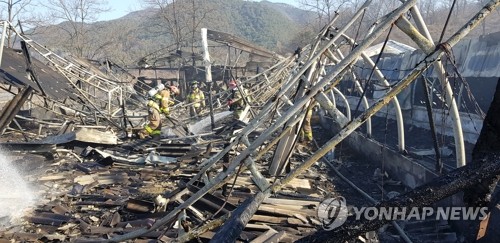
(217, 179)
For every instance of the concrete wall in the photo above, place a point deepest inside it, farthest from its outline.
(417, 116)
(399, 166)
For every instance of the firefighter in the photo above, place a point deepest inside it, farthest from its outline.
(197, 99)
(236, 102)
(153, 128)
(306, 134)
(164, 95)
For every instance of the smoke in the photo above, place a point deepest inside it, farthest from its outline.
(15, 195)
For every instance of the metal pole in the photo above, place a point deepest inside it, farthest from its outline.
(428, 104)
(212, 119)
(397, 107)
(347, 106)
(428, 46)
(354, 55)
(4, 33)
(208, 73)
(360, 90)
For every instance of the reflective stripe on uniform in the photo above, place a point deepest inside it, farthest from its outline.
(151, 131)
(167, 99)
(165, 110)
(196, 98)
(308, 136)
(155, 106)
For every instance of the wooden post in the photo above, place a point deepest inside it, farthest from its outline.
(13, 107)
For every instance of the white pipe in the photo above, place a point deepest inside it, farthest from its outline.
(333, 98)
(357, 85)
(348, 107)
(4, 34)
(395, 102)
(450, 100)
(419, 21)
(397, 107)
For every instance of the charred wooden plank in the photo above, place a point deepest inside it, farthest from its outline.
(265, 236)
(139, 206)
(46, 221)
(135, 223)
(269, 219)
(108, 203)
(60, 209)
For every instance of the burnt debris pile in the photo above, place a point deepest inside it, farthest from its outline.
(242, 168)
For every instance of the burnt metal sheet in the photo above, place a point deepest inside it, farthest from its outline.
(85, 135)
(13, 72)
(36, 148)
(210, 202)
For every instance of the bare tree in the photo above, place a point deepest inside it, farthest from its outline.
(324, 9)
(173, 15)
(181, 20)
(75, 15)
(15, 11)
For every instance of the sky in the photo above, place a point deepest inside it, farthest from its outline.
(120, 8)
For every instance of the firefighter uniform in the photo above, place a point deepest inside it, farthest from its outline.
(165, 101)
(306, 134)
(197, 100)
(153, 128)
(236, 102)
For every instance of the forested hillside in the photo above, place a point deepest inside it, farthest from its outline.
(148, 33)
(162, 28)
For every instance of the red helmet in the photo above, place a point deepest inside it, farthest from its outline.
(174, 90)
(232, 84)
